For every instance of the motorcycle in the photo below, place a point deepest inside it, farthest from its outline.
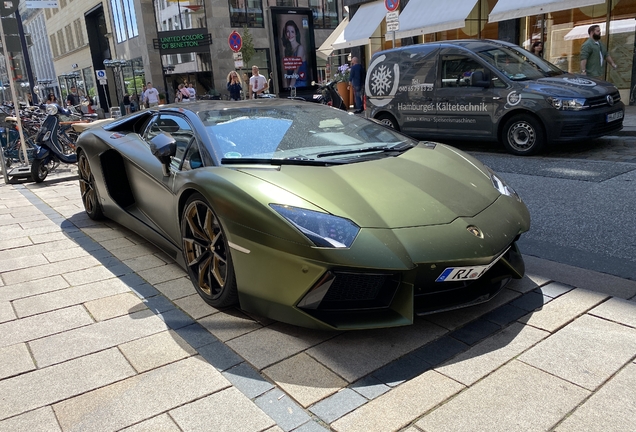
(50, 151)
(326, 94)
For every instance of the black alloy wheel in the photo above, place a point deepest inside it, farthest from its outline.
(39, 170)
(207, 254)
(90, 198)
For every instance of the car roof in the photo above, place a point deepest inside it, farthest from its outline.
(204, 105)
(468, 44)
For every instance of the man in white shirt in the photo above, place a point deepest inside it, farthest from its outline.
(258, 83)
(151, 96)
(193, 92)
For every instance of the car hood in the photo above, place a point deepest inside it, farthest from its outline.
(570, 85)
(423, 186)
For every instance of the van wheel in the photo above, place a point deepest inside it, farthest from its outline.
(388, 120)
(523, 135)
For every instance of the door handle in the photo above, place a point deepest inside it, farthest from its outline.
(496, 97)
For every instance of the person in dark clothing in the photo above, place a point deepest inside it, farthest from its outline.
(127, 103)
(356, 79)
(234, 86)
(73, 98)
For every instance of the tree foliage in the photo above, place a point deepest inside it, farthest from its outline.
(247, 48)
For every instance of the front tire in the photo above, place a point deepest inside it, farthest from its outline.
(39, 170)
(523, 135)
(207, 254)
(90, 198)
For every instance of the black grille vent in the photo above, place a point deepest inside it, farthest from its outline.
(354, 286)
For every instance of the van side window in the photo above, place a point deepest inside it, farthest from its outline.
(456, 70)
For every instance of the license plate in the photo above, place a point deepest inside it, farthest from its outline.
(614, 116)
(461, 274)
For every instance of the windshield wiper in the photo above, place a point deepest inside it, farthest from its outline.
(295, 160)
(402, 146)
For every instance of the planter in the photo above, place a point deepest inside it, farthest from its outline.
(344, 93)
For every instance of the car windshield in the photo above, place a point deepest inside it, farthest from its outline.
(296, 132)
(518, 64)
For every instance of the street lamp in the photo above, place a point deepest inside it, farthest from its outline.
(118, 75)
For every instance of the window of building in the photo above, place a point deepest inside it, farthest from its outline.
(246, 13)
(285, 3)
(124, 19)
(131, 18)
(62, 4)
(186, 58)
(60, 41)
(69, 37)
(325, 13)
(56, 52)
(79, 34)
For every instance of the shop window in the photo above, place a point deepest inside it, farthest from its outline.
(246, 13)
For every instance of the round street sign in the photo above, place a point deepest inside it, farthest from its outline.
(392, 5)
(8, 7)
(235, 41)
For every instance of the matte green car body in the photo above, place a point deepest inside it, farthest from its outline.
(413, 211)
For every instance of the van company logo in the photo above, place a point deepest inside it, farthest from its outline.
(580, 81)
(513, 98)
(383, 81)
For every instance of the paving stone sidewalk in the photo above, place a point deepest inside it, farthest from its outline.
(100, 331)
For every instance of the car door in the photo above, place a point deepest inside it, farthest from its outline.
(154, 193)
(463, 110)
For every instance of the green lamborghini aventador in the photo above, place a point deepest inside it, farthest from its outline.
(304, 213)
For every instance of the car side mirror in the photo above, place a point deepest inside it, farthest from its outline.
(164, 147)
(479, 79)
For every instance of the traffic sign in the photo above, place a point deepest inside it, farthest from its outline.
(101, 74)
(392, 21)
(235, 41)
(392, 5)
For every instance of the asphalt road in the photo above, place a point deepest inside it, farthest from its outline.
(583, 211)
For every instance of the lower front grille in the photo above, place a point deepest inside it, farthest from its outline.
(351, 291)
(590, 130)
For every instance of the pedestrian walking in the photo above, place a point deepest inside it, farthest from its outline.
(537, 49)
(356, 79)
(151, 96)
(594, 54)
(193, 92)
(127, 103)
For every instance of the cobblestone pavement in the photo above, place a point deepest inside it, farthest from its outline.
(100, 331)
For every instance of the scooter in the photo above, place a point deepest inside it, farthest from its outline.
(326, 94)
(49, 151)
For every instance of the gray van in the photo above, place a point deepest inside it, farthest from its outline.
(487, 90)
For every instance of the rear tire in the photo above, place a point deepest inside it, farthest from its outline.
(90, 197)
(523, 135)
(39, 170)
(388, 120)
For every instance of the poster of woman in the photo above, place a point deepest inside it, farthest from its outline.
(294, 35)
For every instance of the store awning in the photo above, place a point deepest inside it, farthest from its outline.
(616, 26)
(360, 28)
(326, 49)
(429, 16)
(510, 9)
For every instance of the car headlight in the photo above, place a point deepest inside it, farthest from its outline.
(322, 229)
(567, 104)
(501, 185)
